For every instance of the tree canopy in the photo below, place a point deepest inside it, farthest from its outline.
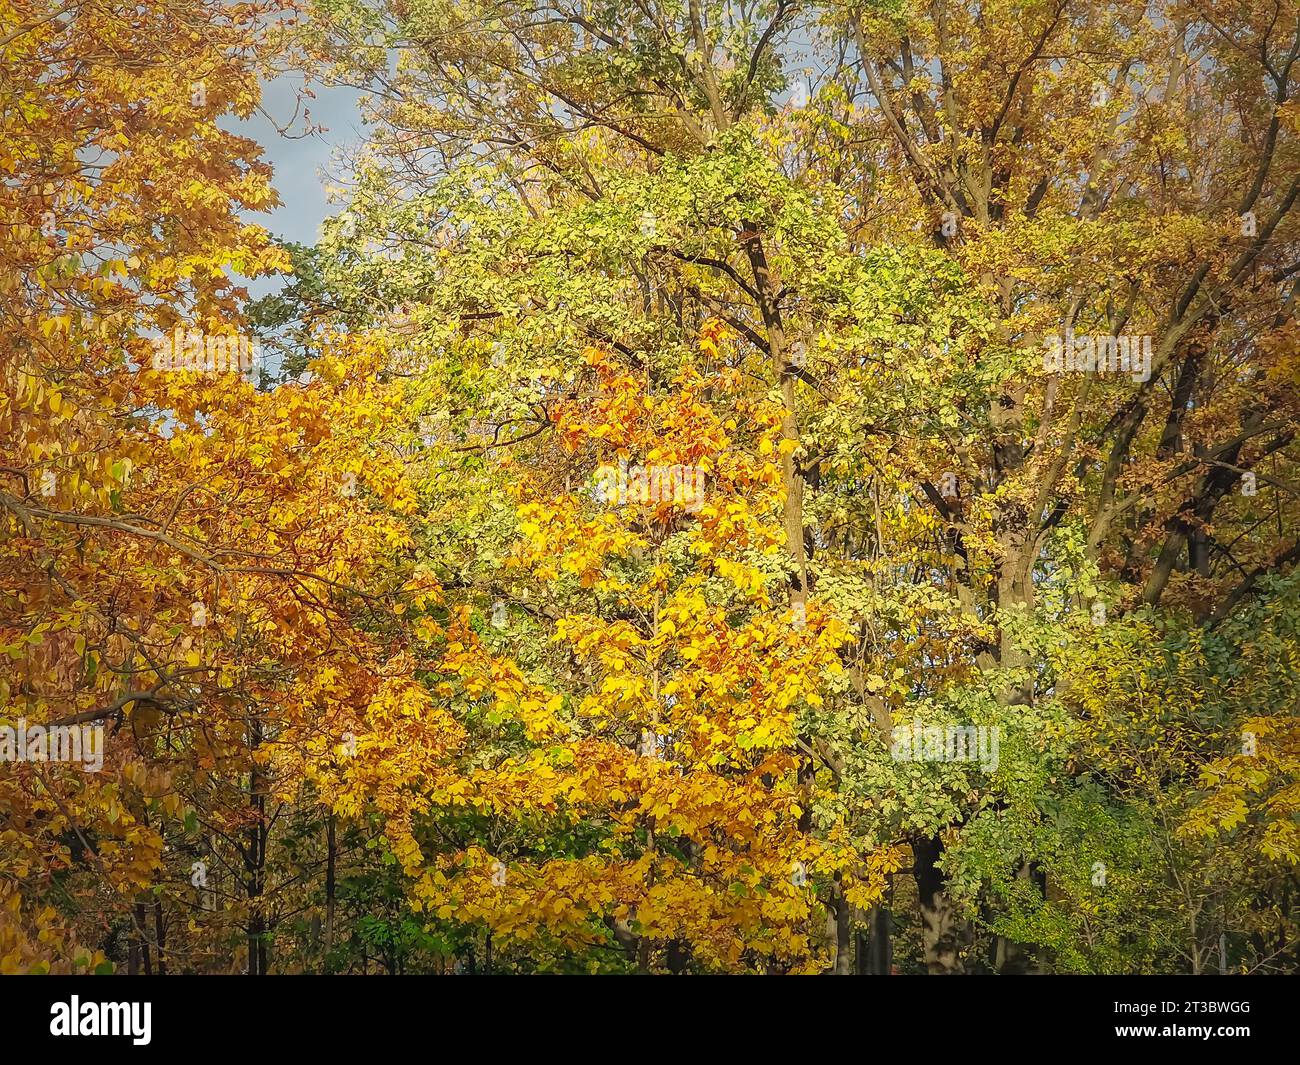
(775, 486)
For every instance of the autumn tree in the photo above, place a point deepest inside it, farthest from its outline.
(908, 217)
(691, 411)
(183, 562)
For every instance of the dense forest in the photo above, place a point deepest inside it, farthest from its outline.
(738, 486)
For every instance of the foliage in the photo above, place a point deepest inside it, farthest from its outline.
(659, 455)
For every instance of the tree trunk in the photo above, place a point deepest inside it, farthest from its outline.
(255, 863)
(943, 936)
(331, 853)
(875, 945)
(140, 918)
(842, 918)
(160, 935)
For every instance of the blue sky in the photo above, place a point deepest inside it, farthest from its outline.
(303, 165)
